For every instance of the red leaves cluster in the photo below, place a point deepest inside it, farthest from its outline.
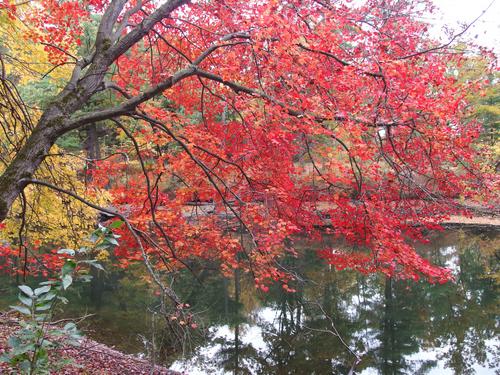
(14, 262)
(354, 122)
(9, 7)
(301, 114)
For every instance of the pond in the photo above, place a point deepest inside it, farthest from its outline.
(393, 327)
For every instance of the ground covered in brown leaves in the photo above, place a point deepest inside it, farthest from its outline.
(89, 358)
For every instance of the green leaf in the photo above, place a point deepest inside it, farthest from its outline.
(83, 250)
(14, 341)
(94, 237)
(49, 282)
(42, 354)
(22, 309)
(42, 290)
(25, 366)
(112, 241)
(25, 300)
(62, 299)
(26, 290)
(69, 326)
(44, 307)
(103, 245)
(68, 267)
(47, 343)
(98, 266)
(57, 333)
(116, 224)
(42, 317)
(85, 278)
(67, 280)
(21, 349)
(93, 263)
(47, 297)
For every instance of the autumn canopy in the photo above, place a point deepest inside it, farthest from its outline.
(232, 128)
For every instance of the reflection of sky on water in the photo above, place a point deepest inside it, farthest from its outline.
(435, 354)
(252, 335)
(261, 330)
(452, 260)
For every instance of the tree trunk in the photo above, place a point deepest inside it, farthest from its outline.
(53, 123)
(22, 168)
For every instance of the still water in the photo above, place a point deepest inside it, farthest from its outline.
(336, 322)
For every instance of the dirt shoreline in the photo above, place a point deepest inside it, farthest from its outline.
(475, 221)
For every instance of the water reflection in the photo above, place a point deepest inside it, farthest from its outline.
(395, 327)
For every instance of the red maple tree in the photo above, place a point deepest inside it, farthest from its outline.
(283, 118)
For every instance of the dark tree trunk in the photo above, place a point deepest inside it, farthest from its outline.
(53, 123)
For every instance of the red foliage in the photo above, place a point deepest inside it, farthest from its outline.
(382, 121)
(299, 112)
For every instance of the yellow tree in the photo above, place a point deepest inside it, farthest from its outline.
(40, 217)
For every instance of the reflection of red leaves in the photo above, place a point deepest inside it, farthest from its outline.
(286, 288)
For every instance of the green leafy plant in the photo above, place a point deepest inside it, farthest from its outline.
(31, 345)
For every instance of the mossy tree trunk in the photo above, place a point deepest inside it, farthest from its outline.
(61, 116)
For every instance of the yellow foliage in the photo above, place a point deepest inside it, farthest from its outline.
(53, 217)
(27, 59)
(102, 256)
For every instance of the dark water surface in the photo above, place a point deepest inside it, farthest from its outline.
(394, 327)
